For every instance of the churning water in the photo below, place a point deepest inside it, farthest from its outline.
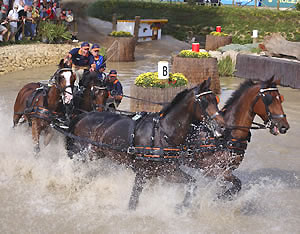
(53, 194)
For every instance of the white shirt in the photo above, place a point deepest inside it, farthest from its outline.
(13, 15)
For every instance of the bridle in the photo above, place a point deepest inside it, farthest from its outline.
(201, 99)
(94, 89)
(56, 82)
(267, 100)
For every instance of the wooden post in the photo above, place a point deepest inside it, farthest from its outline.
(136, 27)
(114, 22)
(255, 3)
(278, 3)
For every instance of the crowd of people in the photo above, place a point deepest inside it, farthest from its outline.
(28, 13)
(87, 59)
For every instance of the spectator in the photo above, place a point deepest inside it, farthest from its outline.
(28, 22)
(50, 13)
(13, 17)
(3, 22)
(28, 2)
(6, 4)
(35, 17)
(22, 16)
(43, 12)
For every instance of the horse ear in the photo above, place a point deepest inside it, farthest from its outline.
(61, 64)
(273, 81)
(205, 84)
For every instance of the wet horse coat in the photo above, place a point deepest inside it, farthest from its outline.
(157, 132)
(38, 103)
(223, 156)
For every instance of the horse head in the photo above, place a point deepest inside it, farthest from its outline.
(99, 94)
(268, 105)
(206, 108)
(64, 80)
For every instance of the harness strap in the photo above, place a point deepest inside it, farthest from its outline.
(157, 153)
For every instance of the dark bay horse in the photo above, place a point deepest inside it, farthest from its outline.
(94, 95)
(150, 144)
(220, 157)
(38, 103)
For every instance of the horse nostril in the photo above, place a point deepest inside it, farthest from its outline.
(283, 130)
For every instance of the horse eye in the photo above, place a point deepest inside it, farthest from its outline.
(268, 99)
(217, 99)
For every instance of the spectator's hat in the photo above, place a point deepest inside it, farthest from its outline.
(112, 73)
(3, 8)
(85, 45)
(95, 47)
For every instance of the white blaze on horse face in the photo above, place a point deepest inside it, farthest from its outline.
(68, 96)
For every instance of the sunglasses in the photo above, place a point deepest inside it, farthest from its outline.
(86, 49)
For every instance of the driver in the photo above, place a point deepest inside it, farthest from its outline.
(82, 60)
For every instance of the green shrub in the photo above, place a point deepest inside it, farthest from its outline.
(297, 6)
(193, 54)
(53, 32)
(226, 67)
(150, 79)
(120, 34)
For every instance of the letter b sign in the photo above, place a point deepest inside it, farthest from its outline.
(163, 70)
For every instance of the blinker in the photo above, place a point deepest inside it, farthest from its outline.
(268, 98)
(217, 99)
(281, 98)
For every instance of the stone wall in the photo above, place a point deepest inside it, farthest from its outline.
(20, 57)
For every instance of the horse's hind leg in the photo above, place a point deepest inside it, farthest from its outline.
(236, 186)
(48, 136)
(182, 177)
(138, 186)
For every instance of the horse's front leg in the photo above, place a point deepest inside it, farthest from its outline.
(36, 131)
(138, 186)
(179, 176)
(234, 188)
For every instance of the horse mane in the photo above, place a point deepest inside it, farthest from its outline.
(166, 109)
(236, 94)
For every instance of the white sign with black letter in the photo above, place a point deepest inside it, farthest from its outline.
(163, 70)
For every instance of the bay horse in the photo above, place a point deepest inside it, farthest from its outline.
(149, 143)
(220, 157)
(94, 95)
(38, 103)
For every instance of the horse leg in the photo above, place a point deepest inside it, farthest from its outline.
(236, 186)
(16, 119)
(179, 176)
(48, 135)
(36, 131)
(138, 186)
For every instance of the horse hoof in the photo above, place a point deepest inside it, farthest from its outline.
(36, 151)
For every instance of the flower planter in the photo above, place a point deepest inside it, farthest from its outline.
(121, 49)
(162, 95)
(196, 70)
(215, 42)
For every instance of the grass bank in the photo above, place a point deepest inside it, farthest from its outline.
(185, 19)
